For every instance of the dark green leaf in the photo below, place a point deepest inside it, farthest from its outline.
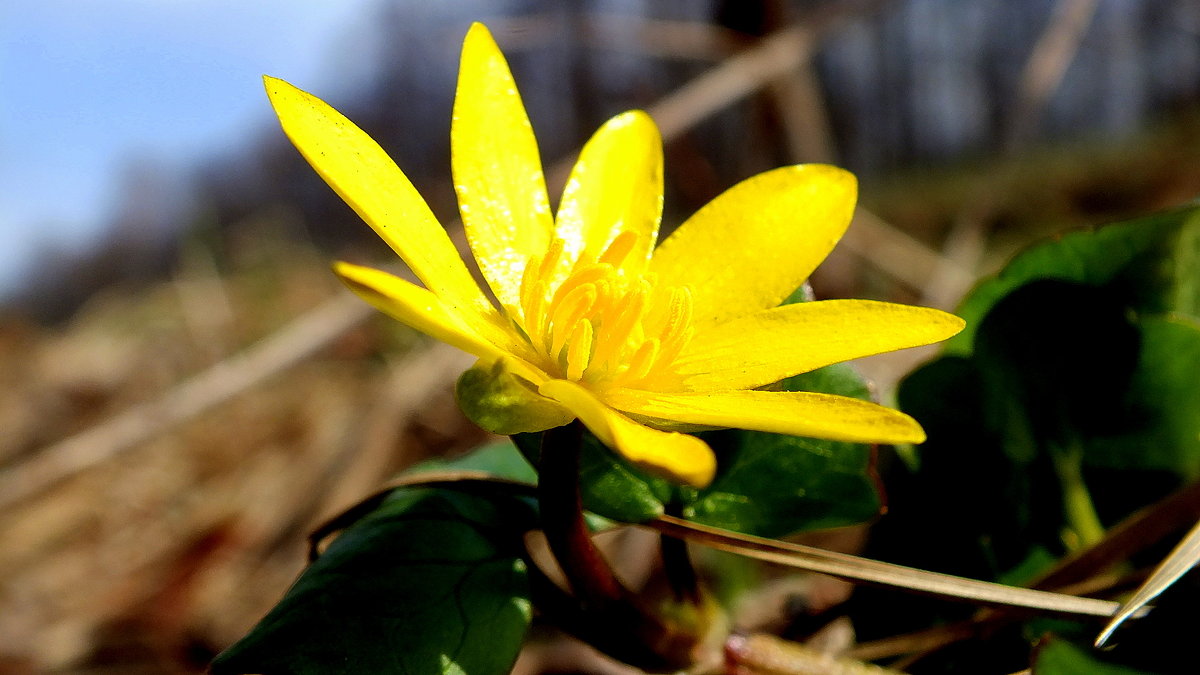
(430, 582)
(1151, 264)
(990, 504)
(1160, 425)
(1062, 362)
(1055, 359)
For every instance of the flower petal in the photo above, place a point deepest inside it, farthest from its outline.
(412, 305)
(764, 347)
(758, 241)
(616, 186)
(497, 170)
(675, 456)
(371, 183)
(799, 413)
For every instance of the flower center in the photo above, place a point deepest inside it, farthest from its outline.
(597, 323)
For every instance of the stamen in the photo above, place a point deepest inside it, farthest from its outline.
(590, 320)
(586, 276)
(618, 250)
(579, 350)
(574, 306)
(617, 325)
(535, 307)
(553, 256)
(677, 328)
(529, 287)
(643, 360)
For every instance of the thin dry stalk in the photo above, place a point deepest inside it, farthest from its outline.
(298, 340)
(1042, 75)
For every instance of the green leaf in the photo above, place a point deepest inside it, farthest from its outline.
(1160, 425)
(771, 485)
(1150, 263)
(432, 581)
(1059, 657)
(1078, 367)
(1055, 359)
(1065, 363)
(991, 504)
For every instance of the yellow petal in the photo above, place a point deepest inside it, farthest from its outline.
(799, 413)
(497, 170)
(412, 305)
(767, 346)
(616, 186)
(677, 457)
(757, 242)
(369, 181)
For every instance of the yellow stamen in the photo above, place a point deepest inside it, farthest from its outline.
(564, 315)
(593, 323)
(617, 325)
(677, 328)
(642, 361)
(618, 250)
(552, 258)
(579, 350)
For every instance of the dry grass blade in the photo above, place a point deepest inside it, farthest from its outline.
(1047, 66)
(293, 343)
(769, 550)
(774, 57)
(1183, 558)
(871, 571)
(1077, 574)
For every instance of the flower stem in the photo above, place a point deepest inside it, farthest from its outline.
(677, 564)
(561, 504)
(612, 617)
(1077, 501)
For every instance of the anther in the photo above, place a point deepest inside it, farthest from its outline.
(618, 250)
(574, 306)
(643, 360)
(579, 350)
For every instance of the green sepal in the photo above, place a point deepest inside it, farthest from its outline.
(501, 403)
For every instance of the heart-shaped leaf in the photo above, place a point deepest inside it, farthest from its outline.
(1151, 264)
(432, 581)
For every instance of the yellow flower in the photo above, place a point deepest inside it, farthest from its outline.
(592, 320)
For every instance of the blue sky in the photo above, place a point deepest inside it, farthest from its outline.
(86, 86)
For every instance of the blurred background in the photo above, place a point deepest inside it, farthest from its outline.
(185, 391)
